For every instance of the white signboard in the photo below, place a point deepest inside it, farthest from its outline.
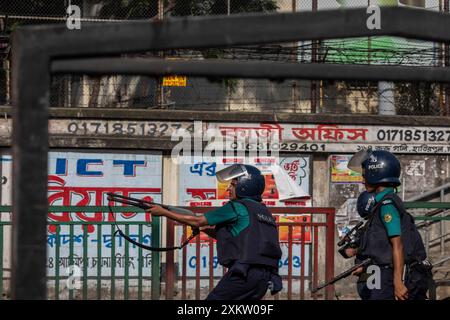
(76, 127)
(265, 136)
(334, 138)
(83, 179)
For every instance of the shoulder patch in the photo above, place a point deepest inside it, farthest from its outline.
(266, 219)
(387, 217)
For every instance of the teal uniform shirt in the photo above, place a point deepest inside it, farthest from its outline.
(389, 214)
(238, 220)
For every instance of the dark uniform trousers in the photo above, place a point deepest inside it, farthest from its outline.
(252, 257)
(239, 286)
(416, 281)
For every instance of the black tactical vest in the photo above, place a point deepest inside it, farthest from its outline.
(375, 241)
(256, 244)
(359, 257)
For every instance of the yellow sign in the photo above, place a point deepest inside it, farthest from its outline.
(175, 81)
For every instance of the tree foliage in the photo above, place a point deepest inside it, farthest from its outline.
(417, 98)
(211, 7)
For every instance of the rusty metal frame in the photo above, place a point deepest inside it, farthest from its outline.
(38, 49)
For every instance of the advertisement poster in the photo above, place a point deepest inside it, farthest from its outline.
(339, 171)
(199, 188)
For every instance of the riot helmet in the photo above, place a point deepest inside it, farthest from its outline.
(377, 167)
(250, 183)
(365, 204)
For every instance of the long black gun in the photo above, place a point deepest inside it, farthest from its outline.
(343, 275)
(143, 204)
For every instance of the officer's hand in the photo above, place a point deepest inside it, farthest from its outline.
(358, 271)
(400, 291)
(156, 210)
(350, 252)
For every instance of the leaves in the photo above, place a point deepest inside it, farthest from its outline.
(128, 9)
(214, 7)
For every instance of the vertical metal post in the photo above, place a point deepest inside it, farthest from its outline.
(198, 261)
(29, 150)
(302, 262)
(316, 259)
(294, 58)
(126, 289)
(71, 254)
(57, 255)
(113, 263)
(170, 259)
(386, 89)
(140, 260)
(369, 58)
(442, 226)
(156, 221)
(227, 82)
(440, 62)
(1, 258)
(159, 80)
(85, 260)
(329, 253)
(313, 91)
(446, 64)
(211, 264)
(289, 257)
(156, 264)
(184, 266)
(99, 261)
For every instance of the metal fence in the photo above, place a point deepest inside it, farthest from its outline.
(87, 260)
(240, 94)
(303, 239)
(119, 270)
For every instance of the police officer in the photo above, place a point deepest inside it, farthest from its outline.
(364, 207)
(391, 238)
(246, 233)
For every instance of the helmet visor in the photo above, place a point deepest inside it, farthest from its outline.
(232, 172)
(357, 160)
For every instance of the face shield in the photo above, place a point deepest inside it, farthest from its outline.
(232, 172)
(357, 160)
